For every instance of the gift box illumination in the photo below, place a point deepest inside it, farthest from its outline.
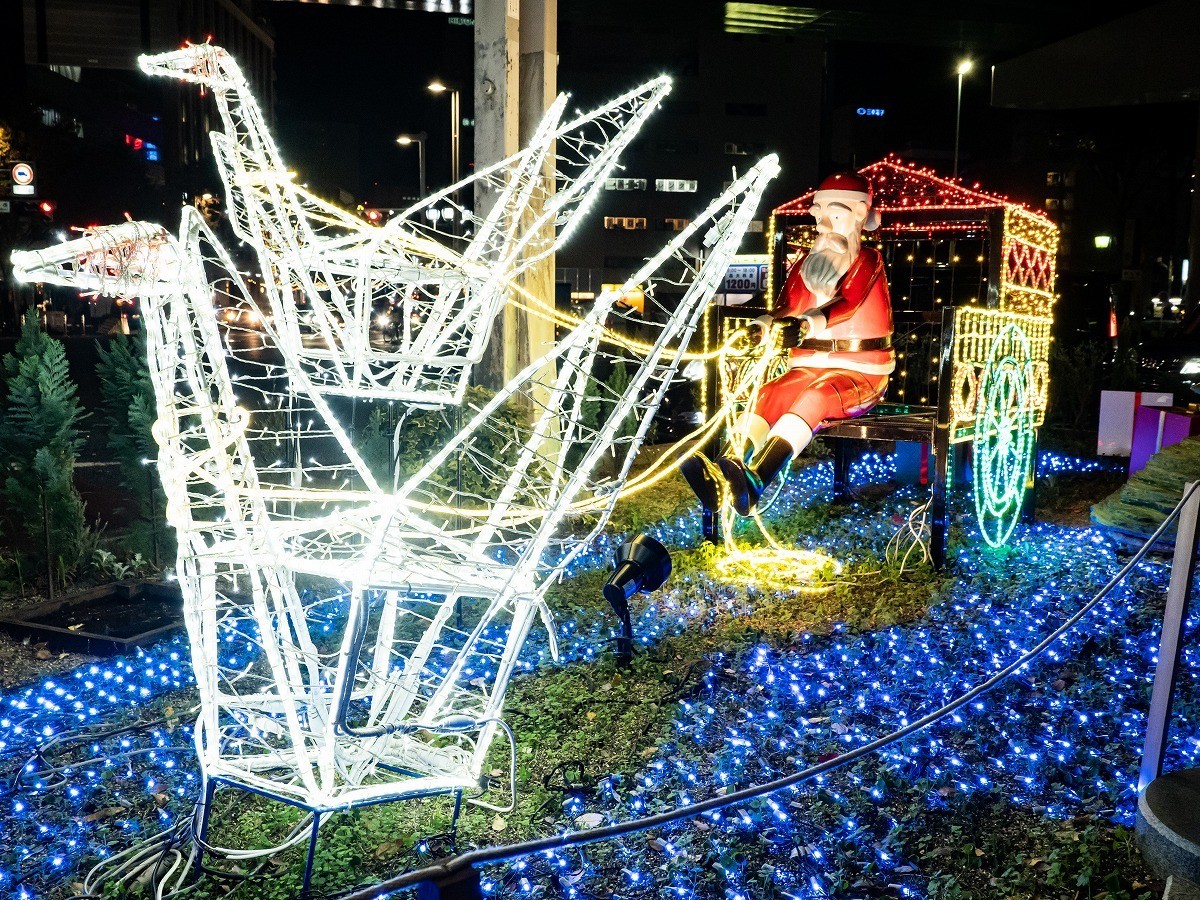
(1154, 429)
(1117, 412)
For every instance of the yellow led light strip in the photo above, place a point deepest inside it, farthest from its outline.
(975, 332)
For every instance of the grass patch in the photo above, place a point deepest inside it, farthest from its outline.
(580, 724)
(988, 847)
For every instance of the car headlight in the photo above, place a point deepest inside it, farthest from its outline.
(1191, 366)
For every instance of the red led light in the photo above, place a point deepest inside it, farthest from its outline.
(900, 187)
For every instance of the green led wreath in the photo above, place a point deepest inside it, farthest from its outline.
(1004, 435)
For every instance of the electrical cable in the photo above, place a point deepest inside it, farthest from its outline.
(912, 536)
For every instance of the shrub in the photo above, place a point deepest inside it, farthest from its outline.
(129, 411)
(39, 437)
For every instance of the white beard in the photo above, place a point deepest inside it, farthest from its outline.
(823, 269)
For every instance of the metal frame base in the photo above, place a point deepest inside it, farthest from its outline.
(317, 813)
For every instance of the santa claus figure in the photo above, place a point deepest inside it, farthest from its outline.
(836, 298)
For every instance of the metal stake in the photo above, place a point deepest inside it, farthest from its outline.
(1179, 596)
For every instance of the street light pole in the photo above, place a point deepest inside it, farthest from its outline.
(405, 140)
(455, 124)
(438, 87)
(964, 67)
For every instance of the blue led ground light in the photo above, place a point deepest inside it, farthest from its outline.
(1062, 739)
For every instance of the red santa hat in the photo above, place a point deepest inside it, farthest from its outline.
(849, 188)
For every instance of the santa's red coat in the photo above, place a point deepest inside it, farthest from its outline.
(861, 308)
(828, 385)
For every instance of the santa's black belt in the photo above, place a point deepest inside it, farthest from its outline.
(845, 345)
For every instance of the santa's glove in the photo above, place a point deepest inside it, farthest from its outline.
(759, 330)
(792, 331)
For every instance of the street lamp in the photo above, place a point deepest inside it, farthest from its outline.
(438, 88)
(406, 140)
(964, 66)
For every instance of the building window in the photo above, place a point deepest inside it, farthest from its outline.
(675, 185)
(625, 184)
(742, 148)
(675, 224)
(73, 73)
(625, 223)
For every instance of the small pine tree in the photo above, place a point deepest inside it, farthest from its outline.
(619, 383)
(39, 438)
(591, 407)
(129, 410)
(124, 373)
(375, 445)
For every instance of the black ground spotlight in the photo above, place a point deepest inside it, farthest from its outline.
(642, 564)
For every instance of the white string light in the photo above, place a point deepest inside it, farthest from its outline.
(327, 273)
(279, 515)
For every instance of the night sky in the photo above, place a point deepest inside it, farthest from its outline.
(348, 80)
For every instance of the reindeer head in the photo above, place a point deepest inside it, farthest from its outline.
(126, 260)
(204, 64)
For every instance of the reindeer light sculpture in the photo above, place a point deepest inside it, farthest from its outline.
(327, 273)
(352, 642)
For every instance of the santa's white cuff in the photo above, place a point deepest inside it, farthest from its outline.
(815, 318)
(794, 430)
(754, 428)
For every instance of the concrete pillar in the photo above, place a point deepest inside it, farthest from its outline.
(516, 64)
(497, 91)
(496, 88)
(539, 86)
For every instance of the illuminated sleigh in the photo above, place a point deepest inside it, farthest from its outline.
(327, 274)
(972, 279)
(353, 644)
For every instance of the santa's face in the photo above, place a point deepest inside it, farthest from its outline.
(839, 237)
(839, 224)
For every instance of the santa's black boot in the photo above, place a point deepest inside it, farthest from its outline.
(704, 478)
(747, 481)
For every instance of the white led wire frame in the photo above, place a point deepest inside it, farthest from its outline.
(261, 671)
(397, 698)
(328, 274)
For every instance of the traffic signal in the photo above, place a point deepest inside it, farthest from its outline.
(47, 208)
